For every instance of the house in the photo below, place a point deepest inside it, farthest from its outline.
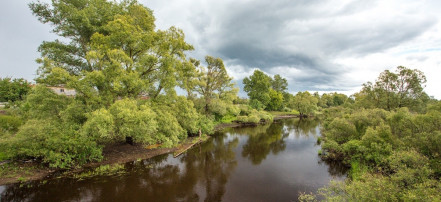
(61, 90)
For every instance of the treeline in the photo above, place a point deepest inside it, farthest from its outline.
(12, 90)
(124, 73)
(391, 139)
(271, 94)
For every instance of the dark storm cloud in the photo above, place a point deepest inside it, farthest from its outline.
(303, 40)
(305, 35)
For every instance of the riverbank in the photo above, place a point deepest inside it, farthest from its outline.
(118, 153)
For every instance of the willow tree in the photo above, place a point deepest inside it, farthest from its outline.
(114, 50)
(75, 21)
(214, 82)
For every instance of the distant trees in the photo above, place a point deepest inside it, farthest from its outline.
(304, 103)
(257, 87)
(404, 88)
(332, 99)
(13, 89)
(264, 92)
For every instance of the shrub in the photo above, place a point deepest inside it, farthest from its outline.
(138, 123)
(341, 130)
(100, 126)
(55, 144)
(169, 132)
(9, 123)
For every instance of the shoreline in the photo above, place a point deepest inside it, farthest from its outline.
(116, 153)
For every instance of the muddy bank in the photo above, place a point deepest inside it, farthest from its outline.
(113, 154)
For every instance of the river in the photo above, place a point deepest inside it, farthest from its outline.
(272, 162)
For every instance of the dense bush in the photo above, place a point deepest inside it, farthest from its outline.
(255, 116)
(397, 151)
(52, 142)
(12, 90)
(9, 123)
(133, 121)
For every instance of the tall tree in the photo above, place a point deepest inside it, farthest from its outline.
(279, 84)
(76, 21)
(121, 55)
(213, 81)
(404, 88)
(257, 87)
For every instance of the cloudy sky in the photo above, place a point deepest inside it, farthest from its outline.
(316, 45)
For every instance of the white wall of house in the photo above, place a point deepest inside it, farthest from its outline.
(64, 91)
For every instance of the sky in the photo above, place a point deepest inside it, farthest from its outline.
(322, 46)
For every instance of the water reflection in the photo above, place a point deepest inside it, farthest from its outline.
(259, 145)
(264, 163)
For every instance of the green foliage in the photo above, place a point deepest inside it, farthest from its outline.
(186, 115)
(214, 82)
(256, 104)
(169, 132)
(276, 100)
(341, 130)
(137, 122)
(205, 124)
(404, 88)
(42, 103)
(304, 102)
(397, 151)
(279, 84)
(331, 99)
(100, 126)
(9, 123)
(124, 72)
(13, 89)
(55, 143)
(257, 87)
(256, 116)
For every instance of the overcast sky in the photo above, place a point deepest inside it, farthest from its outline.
(320, 46)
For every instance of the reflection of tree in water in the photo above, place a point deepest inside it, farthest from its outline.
(208, 165)
(214, 163)
(248, 130)
(302, 127)
(261, 143)
(335, 168)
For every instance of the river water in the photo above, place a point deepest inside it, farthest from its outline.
(273, 162)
